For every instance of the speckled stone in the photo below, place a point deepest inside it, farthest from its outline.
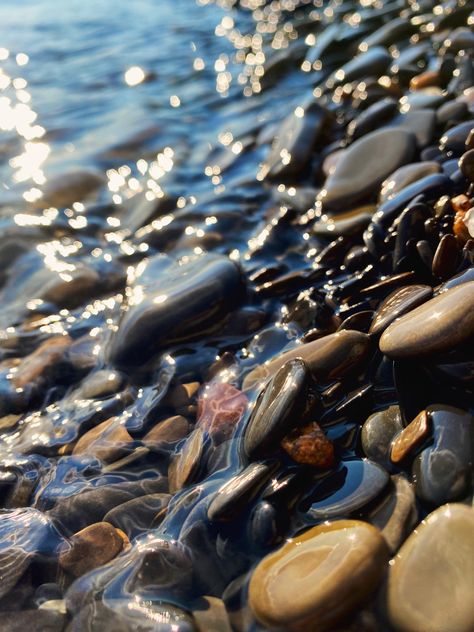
(441, 324)
(431, 581)
(309, 445)
(317, 578)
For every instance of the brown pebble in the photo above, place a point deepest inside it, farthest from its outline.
(460, 229)
(41, 361)
(410, 437)
(445, 260)
(181, 395)
(94, 546)
(165, 432)
(426, 79)
(220, 408)
(309, 445)
(108, 441)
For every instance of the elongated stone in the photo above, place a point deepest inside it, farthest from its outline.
(139, 514)
(398, 303)
(107, 441)
(378, 432)
(329, 357)
(410, 437)
(279, 409)
(185, 465)
(168, 431)
(406, 175)
(319, 577)
(441, 324)
(431, 579)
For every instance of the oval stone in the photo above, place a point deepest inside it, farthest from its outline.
(365, 165)
(279, 409)
(431, 581)
(441, 324)
(317, 578)
(329, 357)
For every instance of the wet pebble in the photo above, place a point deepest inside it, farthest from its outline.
(378, 432)
(138, 515)
(352, 486)
(438, 556)
(443, 471)
(308, 445)
(108, 441)
(406, 175)
(439, 325)
(317, 578)
(365, 165)
(410, 437)
(220, 408)
(94, 546)
(166, 432)
(398, 303)
(185, 465)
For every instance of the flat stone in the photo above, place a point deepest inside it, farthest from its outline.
(365, 165)
(41, 362)
(441, 324)
(404, 176)
(356, 483)
(101, 384)
(108, 441)
(212, 616)
(308, 445)
(431, 580)
(94, 546)
(421, 122)
(378, 432)
(319, 577)
(220, 408)
(348, 224)
(443, 471)
(410, 437)
(329, 357)
(398, 303)
(278, 410)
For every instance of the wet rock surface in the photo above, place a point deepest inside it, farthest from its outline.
(236, 342)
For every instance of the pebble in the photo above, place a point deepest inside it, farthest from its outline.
(349, 488)
(66, 188)
(42, 362)
(406, 175)
(329, 357)
(108, 441)
(139, 514)
(94, 546)
(398, 303)
(397, 514)
(308, 445)
(410, 437)
(446, 258)
(439, 325)
(220, 408)
(279, 408)
(185, 465)
(443, 471)
(101, 384)
(466, 165)
(212, 616)
(172, 303)
(319, 577)
(33, 620)
(365, 165)
(295, 140)
(166, 432)
(378, 432)
(431, 579)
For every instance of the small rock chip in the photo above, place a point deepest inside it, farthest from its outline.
(309, 445)
(431, 580)
(410, 437)
(94, 546)
(319, 577)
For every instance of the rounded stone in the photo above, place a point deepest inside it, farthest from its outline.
(378, 432)
(319, 577)
(431, 581)
(94, 546)
(398, 303)
(441, 324)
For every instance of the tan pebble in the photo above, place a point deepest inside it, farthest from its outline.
(317, 578)
(410, 437)
(94, 546)
(107, 441)
(168, 431)
(46, 356)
